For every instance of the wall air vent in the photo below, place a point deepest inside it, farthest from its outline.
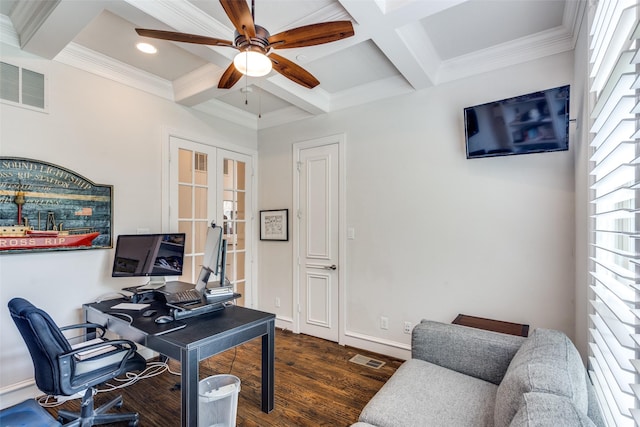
(22, 87)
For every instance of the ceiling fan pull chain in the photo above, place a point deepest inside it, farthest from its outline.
(246, 81)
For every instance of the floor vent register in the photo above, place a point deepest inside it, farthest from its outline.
(367, 361)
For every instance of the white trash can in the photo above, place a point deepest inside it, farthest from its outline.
(218, 401)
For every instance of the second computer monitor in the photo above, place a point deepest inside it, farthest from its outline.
(213, 261)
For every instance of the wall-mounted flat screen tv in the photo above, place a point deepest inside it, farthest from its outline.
(532, 123)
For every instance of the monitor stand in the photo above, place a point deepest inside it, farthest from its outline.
(154, 283)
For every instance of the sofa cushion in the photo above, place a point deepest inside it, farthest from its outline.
(476, 352)
(546, 362)
(420, 393)
(549, 410)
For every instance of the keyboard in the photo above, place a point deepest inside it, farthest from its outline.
(190, 295)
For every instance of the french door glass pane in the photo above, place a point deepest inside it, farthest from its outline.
(193, 214)
(185, 168)
(234, 213)
(185, 202)
(240, 235)
(200, 203)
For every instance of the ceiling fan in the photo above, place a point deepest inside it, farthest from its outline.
(256, 45)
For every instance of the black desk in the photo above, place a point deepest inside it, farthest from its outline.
(202, 337)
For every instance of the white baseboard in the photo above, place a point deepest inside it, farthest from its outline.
(18, 392)
(377, 345)
(361, 341)
(284, 323)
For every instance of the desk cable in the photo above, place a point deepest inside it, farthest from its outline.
(152, 369)
(113, 295)
(121, 315)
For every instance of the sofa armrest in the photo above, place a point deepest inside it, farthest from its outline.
(476, 352)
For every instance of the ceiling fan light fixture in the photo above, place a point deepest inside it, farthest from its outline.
(252, 64)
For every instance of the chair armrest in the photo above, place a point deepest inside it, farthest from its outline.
(79, 374)
(476, 352)
(117, 345)
(85, 326)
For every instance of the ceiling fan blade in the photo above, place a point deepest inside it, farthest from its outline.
(240, 16)
(293, 71)
(229, 77)
(182, 37)
(311, 35)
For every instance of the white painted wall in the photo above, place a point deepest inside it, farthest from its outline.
(111, 134)
(436, 234)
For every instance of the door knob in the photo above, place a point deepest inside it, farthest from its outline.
(330, 267)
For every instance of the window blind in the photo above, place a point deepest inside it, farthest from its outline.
(614, 342)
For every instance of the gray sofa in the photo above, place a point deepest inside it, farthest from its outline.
(460, 376)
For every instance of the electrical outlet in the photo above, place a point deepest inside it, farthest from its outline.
(407, 327)
(277, 302)
(384, 322)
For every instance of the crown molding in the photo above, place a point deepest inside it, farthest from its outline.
(371, 92)
(227, 112)
(573, 18)
(88, 60)
(28, 16)
(328, 13)
(182, 15)
(284, 115)
(526, 49)
(8, 33)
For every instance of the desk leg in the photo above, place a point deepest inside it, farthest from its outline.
(268, 368)
(189, 387)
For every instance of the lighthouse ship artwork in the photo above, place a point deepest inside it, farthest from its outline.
(23, 236)
(45, 207)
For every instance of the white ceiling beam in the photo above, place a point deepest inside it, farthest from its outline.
(46, 27)
(314, 101)
(198, 86)
(383, 32)
(182, 16)
(370, 92)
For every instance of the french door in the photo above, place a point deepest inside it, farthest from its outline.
(207, 184)
(236, 218)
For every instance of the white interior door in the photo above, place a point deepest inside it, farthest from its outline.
(317, 234)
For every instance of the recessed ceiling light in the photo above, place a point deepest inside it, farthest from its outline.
(146, 48)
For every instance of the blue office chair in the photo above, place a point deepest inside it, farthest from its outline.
(61, 370)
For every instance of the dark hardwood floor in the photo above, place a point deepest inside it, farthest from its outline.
(316, 385)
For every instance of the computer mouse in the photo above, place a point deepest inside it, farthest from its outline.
(149, 313)
(164, 319)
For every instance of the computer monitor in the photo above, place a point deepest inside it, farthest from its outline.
(152, 255)
(214, 259)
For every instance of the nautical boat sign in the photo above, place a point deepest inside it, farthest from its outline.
(44, 207)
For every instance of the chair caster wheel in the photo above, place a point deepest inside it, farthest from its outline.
(118, 405)
(133, 423)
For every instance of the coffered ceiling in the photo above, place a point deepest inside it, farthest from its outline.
(399, 46)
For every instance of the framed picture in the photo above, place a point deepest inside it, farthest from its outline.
(274, 225)
(46, 207)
